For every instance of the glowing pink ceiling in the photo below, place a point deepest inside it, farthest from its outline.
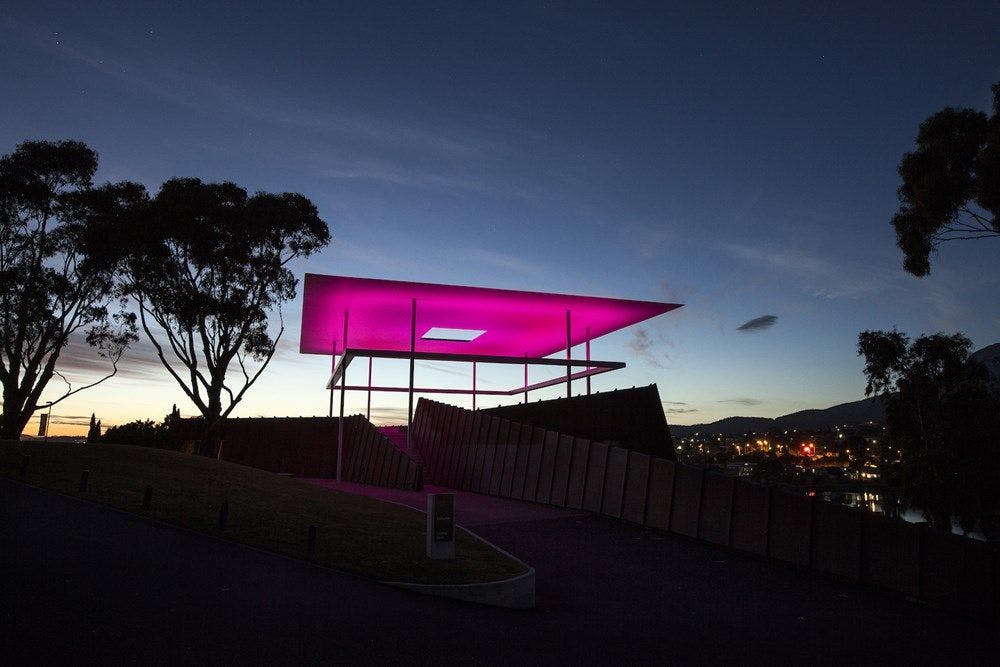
(531, 324)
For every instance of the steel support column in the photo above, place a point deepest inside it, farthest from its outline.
(569, 350)
(333, 369)
(413, 349)
(368, 412)
(588, 362)
(526, 384)
(340, 422)
(473, 385)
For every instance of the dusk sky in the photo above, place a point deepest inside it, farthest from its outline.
(738, 159)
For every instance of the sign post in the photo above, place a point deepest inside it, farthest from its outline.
(441, 526)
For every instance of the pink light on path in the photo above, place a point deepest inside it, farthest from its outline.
(516, 323)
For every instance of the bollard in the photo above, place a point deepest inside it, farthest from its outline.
(311, 542)
(84, 476)
(441, 526)
(224, 515)
(24, 464)
(147, 498)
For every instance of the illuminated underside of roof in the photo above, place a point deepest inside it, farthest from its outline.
(456, 320)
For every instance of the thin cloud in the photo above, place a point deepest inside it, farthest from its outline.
(816, 275)
(72, 421)
(742, 401)
(681, 411)
(758, 323)
(643, 345)
(674, 403)
(139, 361)
(389, 415)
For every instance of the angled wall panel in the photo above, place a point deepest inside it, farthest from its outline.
(686, 506)
(636, 487)
(716, 508)
(521, 462)
(836, 541)
(661, 492)
(547, 468)
(534, 463)
(750, 517)
(593, 490)
(614, 482)
(560, 477)
(890, 553)
(510, 461)
(578, 473)
(499, 457)
(790, 527)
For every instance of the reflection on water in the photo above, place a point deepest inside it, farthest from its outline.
(888, 504)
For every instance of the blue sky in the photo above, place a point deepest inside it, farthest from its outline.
(739, 159)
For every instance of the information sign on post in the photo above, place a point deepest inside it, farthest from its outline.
(43, 425)
(441, 525)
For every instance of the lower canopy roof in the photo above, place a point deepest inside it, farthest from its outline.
(452, 319)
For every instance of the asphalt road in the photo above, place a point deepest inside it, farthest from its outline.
(86, 584)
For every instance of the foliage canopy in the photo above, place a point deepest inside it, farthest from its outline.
(944, 418)
(206, 265)
(951, 183)
(58, 260)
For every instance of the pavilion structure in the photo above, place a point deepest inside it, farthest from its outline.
(350, 318)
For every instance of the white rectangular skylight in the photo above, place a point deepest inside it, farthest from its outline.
(460, 335)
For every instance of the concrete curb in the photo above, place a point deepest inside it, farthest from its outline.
(514, 593)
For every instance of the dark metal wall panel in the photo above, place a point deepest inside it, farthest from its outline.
(836, 540)
(521, 461)
(578, 473)
(534, 463)
(593, 491)
(790, 527)
(614, 482)
(661, 492)
(751, 504)
(890, 553)
(716, 508)
(499, 456)
(560, 476)
(686, 506)
(636, 487)
(547, 468)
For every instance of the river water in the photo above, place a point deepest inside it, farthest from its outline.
(881, 502)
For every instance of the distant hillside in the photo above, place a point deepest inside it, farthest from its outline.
(856, 412)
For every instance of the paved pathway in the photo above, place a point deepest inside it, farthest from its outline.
(87, 584)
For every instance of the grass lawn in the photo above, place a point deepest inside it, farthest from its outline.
(273, 512)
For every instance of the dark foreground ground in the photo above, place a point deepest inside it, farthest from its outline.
(82, 583)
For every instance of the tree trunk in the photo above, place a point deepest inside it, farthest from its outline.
(209, 443)
(15, 417)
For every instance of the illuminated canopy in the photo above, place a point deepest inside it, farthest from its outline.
(485, 322)
(352, 317)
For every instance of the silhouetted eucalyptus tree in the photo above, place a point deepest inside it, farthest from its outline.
(945, 420)
(206, 268)
(951, 183)
(57, 268)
